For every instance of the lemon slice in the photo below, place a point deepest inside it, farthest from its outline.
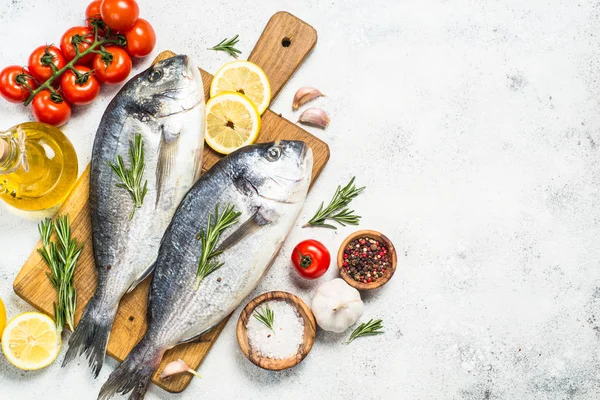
(2, 318)
(232, 121)
(30, 341)
(246, 78)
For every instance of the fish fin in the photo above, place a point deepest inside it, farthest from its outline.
(91, 334)
(146, 273)
(251, 225)
(135, 373)
(166, 158)
(198, 336)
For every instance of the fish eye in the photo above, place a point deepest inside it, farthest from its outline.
(273, 153)
(155, 75)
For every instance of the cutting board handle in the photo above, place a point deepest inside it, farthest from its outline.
(282, 47)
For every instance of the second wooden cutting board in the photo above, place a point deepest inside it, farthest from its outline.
(282, 47)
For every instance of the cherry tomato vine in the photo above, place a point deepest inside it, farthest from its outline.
(96, 46)
(72, 72)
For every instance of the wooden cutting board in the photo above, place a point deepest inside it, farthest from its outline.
(282, 47)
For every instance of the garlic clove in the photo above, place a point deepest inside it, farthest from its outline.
(315, 117)
(304, 95)
(177, 367)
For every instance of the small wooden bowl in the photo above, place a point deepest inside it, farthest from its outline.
(389, 271)
(271, 363)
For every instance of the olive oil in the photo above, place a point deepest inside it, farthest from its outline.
(38, 166)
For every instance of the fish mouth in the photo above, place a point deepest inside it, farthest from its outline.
(183, 110)
(190, 72)
(307, 157)
(276, 200)
(305, 149)
(307, 154)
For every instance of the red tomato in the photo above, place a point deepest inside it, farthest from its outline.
(112, 69)
(84, 37)
(119, 14)
(311, 259)
(92, 12)
(82, 90)
(140, 39)
(41, 59)
(12, 83)
(50, 108)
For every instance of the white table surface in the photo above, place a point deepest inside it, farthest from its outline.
(475, 125)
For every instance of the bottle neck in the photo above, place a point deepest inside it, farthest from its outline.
(10, 153)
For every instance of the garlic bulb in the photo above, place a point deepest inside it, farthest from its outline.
(337, 306)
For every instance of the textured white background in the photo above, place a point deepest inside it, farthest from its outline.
(475, 125)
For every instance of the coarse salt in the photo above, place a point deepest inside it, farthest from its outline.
(288, 332)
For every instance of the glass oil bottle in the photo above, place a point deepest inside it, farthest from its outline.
(38, 166)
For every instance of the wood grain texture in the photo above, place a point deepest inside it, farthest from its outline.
(307, 339)
(282, 47)
(388, 273)
(33, 286)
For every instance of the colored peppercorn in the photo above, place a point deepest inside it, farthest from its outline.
(366, 259)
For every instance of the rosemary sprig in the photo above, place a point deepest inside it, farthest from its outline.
(61, 256)
(228, 46)
(266, 316)
(132, 178)
(370, 328)
(210, 237)
(337, 209)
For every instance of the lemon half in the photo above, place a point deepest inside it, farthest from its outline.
(30, 341)
(232, 121)
(246, 78)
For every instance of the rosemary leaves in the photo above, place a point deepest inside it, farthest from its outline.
(337, 209)
(131, 179)
(370, 328)
(228, 46)
(61, 256)
(216, 225)
(266, 316)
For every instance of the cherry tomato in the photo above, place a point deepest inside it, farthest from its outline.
(84, 37)
(50, 108)
(92, 13)
(140, 39)
(82, 90)
(12, 83)
(119, 14)
(115, 70)
(311, 259)
(41, 59)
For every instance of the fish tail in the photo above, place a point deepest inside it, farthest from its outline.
(92, 333)
(135, 373)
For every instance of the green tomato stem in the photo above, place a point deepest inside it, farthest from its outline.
(70, 65)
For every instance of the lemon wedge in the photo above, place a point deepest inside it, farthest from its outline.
(246, 78)
(232, 121)
(2, 318)
(30, 341)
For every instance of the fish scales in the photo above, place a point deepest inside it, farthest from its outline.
(165, 106)
(268, 184)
